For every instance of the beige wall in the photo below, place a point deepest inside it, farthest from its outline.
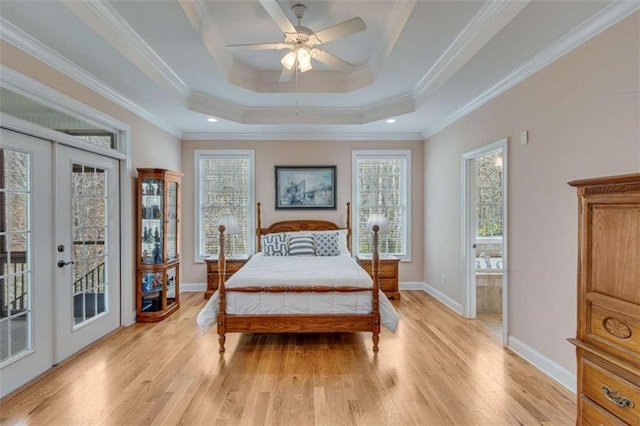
(582, 115)
(271, 153)
(150, 146)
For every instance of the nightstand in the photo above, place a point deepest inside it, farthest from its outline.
(213, 272)
(387, 273)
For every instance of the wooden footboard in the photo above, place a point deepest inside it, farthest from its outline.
(330, 323)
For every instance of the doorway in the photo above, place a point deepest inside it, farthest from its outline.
(485, 236)
(59, 253)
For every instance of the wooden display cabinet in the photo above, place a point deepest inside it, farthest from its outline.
(158, 244)
(387, 273)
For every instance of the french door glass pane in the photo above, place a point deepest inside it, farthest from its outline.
(15, 274)
(172, 225)
(89, 201)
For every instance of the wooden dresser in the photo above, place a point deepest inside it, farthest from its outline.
(387, 274)
(213, 273)
(608, 335)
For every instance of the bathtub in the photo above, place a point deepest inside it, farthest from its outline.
(482, 267)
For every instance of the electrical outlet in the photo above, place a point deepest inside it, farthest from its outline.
(444, 279)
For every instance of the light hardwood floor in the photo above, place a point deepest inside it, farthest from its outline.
(437, 369)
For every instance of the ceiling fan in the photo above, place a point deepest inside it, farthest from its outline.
(302, 41)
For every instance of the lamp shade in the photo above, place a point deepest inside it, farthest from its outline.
(289, 60)
(377, 219)
(230, 223)
(304, 60)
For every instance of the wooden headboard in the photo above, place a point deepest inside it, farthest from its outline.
(301, 225)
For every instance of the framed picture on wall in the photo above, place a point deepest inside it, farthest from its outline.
(306, 187)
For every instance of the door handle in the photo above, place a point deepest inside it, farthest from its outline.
(62, 263)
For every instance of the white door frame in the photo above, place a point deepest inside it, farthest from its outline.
(469, 232)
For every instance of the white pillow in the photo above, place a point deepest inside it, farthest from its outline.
(342, 237)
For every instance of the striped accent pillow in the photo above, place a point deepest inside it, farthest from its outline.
(301, 246)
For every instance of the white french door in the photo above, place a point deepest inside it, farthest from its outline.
(87, 285)
(26, 259)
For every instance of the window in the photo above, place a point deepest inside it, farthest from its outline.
(489, 196)
(382, 185)
(224, 185)
(47, 116)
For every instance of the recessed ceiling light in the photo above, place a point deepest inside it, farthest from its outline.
(391, 120)
(212, 119)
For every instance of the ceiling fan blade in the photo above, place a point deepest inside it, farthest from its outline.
(277, 14)
(353, 25)
(258, 46)
(332, 61)
(286, 75)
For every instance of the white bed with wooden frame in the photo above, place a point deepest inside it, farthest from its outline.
(358, 290)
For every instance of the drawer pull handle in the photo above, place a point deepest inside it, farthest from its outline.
(615, 397)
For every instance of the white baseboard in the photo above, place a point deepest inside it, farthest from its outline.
(412, 285)
(192, 287)
(551, 368)
(443, 298)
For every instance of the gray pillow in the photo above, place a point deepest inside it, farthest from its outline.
(274, 244)
(327, 244)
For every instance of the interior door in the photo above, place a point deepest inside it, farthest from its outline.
(87, 287)
(26, 259)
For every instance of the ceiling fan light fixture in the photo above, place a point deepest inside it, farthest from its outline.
(304, 67)
(289, 60)
(304, 60)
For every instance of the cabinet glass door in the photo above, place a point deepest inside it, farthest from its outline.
(172, 218)
(152, 229)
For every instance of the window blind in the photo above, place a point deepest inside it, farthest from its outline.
(224, 187)
(381, 188)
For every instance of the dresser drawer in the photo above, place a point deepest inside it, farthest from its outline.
(213, 273)
(387, 284)
(592, 415)
(232, 266)
(385, 270)
(611, 392)
(611, 328)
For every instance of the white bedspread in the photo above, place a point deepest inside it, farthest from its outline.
(299, 270)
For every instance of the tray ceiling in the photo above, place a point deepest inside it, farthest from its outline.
(423, 63)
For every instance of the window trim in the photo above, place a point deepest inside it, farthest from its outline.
(383, 154)
(199, 154)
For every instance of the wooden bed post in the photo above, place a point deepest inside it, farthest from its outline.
(222, 267)
(375, 303)
(258, 228)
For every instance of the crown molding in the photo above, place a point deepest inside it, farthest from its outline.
(485, 24)
(396, 20)
(35, 48)
(599, 22)
(209, 105)
(206, 136)
(106, 21)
